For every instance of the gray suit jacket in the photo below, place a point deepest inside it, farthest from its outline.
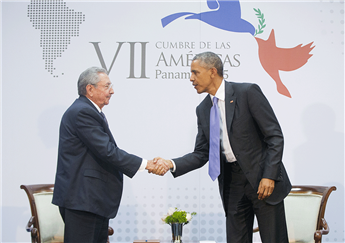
(90, 167)
(255, 137)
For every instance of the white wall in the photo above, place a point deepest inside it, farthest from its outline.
(155, 116)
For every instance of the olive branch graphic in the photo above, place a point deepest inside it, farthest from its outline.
(261, 24)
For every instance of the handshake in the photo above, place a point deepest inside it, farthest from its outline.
(159, 166)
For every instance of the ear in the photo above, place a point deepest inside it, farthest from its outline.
(213, 72)
(89, 90)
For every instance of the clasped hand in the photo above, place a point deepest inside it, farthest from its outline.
(159, 166)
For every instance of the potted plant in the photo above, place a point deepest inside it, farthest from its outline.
(177, 218)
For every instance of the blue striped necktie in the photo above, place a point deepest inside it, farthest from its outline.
(214, 156)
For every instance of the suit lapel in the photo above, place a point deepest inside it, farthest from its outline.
(104, 123)
(107, 129)
(230, 102)
(206, 109)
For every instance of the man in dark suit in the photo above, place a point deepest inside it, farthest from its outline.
(247, 159)
(89, 177)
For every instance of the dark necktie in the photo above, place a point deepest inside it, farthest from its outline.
(214, 157)
(105, 119)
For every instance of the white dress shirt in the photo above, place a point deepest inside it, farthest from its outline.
(224, 137)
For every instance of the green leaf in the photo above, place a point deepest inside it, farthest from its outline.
(261, 19)
(179, 216)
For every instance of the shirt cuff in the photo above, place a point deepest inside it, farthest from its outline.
(143, 165)
(174, 168)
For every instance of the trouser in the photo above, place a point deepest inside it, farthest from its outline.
(243, 203)
(84, 227)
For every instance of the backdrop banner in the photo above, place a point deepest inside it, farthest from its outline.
(294, 50)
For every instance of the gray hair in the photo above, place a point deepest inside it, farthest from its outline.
(210, 60)
(89, 76)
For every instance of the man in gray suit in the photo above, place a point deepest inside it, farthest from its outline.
(247, 159)
(90, 168)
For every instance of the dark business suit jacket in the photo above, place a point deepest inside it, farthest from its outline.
(255, 137)
(90, 165)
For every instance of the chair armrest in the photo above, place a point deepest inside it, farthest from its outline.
(34, 234)
(324, 231)
(29, 228)
(110, 231)
(256, 229)
(29, 224)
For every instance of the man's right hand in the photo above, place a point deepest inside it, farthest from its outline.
(158, 166)
(166, 161)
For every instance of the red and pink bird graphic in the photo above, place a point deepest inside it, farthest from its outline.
(226, 15)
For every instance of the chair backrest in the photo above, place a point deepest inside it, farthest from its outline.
(304, 209)
(46, 217)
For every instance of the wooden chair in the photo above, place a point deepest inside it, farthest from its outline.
(45, 224)
(305, 211)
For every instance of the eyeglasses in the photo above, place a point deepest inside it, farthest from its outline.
(106, 86)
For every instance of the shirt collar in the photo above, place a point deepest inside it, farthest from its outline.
(97, 107)
(220, 94)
